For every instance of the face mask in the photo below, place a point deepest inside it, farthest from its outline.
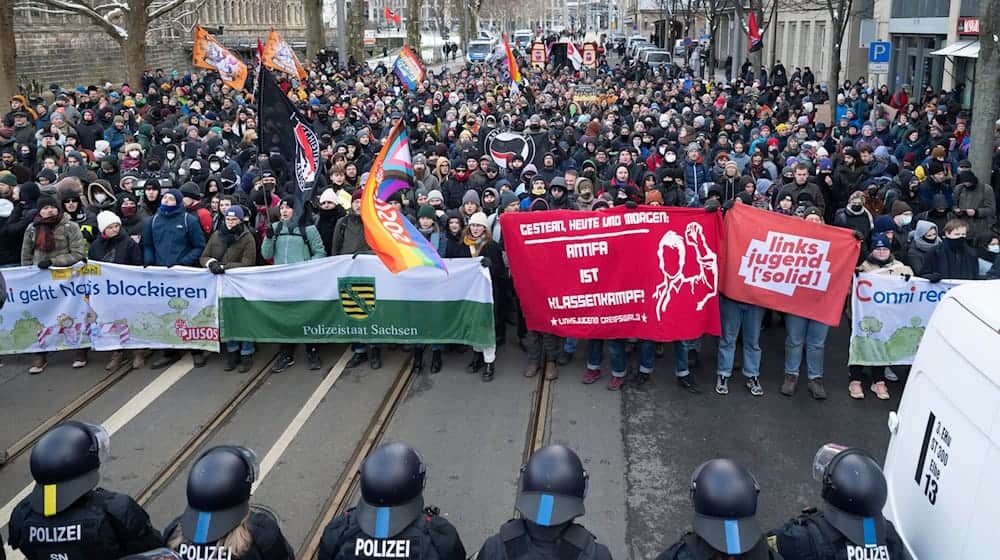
(670, 158)
(133, 153)
(220, 153)
(993, 249)
(165, 140)
(214, 166)
(128, 211)
(857, 206)
(955, 244)
(171, 155)
(905, 220)
(100, 197)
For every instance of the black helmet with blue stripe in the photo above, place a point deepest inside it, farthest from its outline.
(553, 486)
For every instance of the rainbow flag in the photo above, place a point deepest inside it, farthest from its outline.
(515, 73)
(393, 238)
(408, 68)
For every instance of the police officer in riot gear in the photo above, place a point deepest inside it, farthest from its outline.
(390, 520)
(67, 515)
(724, 495)
(218, 521)
(850, 524)
(552, 489)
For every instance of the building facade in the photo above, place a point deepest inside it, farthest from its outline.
(56, 46)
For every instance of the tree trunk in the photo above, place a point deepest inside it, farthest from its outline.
(833, 80)
(356, 30)
(134, 46)
(459, 8)
(413, 25)
(315, 27)
(8, 52)
(986, 104)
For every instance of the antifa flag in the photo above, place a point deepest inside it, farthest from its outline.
(282, 130)
(753, 33)
(502, 145)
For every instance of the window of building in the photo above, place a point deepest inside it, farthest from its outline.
(920, 8)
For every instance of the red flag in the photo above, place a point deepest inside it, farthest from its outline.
(393, 17)
(650, 273)
(788, 264)
(756, 42)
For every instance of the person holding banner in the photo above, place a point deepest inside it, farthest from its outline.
(881, 261)
(52, 239)
(476, 242)
(112, 245)
(233, 246)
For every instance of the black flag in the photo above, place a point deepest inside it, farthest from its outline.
(281, 129)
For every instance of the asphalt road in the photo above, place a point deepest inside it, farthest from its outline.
(639, 445)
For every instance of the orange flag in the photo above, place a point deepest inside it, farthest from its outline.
(209, 53)
(278, 55)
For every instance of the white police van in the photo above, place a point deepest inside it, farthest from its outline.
(943, 463)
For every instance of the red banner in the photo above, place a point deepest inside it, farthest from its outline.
(788, 264)
(649, 273)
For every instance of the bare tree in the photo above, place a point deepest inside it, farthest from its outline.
(356, 29)
(8, 51)
(986, 105)
(840, 12)
(711, 9)
(315, 27)
(126, 21)
(413, 24)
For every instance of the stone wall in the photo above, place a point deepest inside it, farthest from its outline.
(70, 50)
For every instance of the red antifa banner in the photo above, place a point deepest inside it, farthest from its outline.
(788, 264)
(649, 273)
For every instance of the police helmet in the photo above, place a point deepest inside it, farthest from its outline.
(553, 486)
(218, 492)
(392, 485)
(855, 490)
(65, 464)
(724, 494)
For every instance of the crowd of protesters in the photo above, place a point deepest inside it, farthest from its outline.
(167, 172)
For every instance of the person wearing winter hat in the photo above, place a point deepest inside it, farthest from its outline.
(975, 203)
(293, 239)
(233, 246)
(470, 204)
(173, 237)
(192, 196)
(809, 334)
(349, 239)
(430, 228)
(114, 246)
(923, 238)
(879, 260)
(330, 211)
(886, 225)
(52, 239)
(476, 242)
(954, 258)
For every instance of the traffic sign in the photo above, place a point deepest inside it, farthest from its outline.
(879, 53)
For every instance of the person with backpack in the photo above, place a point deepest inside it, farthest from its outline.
(293, 239)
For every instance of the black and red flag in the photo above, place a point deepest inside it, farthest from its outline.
(753, 33)
(281, 129)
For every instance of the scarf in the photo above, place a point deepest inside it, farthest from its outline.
(169, 210)
(45, 237)
(474, 245)
(228, 236)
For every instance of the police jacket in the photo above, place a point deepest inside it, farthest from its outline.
(692, 547)
(811, 537)
(101, 524)
(267, 542)
(429, 537)
(517, 540)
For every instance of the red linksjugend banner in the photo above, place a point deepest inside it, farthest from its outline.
(650, 273)
(788, 264)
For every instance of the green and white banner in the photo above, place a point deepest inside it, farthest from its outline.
(356, 299)
(889, 316)
(108, 307)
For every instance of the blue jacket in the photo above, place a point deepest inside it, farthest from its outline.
(172, 239)
(695, 174)
(114, 137)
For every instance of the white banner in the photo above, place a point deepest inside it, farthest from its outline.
(889, 316)
(109, 307)
(154, 307)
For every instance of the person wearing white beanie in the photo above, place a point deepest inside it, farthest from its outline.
(113, 246)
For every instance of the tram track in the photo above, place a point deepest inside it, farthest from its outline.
(26, 441)
(349, 480)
